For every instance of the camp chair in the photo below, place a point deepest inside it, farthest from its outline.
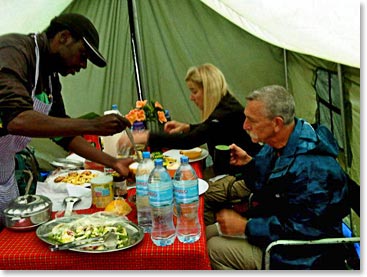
(354, 202)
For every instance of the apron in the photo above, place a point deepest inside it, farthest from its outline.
(11, 144)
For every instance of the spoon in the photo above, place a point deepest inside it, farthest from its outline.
(70, 201)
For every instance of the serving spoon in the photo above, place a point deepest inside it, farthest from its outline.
(70, 202)
(131, 138)
(109, 240)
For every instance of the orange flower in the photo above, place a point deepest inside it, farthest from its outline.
(131, 116)
(141, 104)
(158, 105)
(140, 115)
(161, 117)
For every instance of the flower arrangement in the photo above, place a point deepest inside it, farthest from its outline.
(146, 112)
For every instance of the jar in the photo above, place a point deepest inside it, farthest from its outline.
(119, 185)
(102, 190)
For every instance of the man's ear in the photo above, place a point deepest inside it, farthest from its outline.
(278, 122)
(64, 36)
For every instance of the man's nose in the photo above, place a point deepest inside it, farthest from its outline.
(246, 126)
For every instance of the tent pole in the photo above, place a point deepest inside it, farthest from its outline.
(285, 67)
(344, 133)
(131, 12)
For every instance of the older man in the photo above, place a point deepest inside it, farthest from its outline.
(298, 186)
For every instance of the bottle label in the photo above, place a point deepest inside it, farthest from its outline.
(142, 185)
(160, 194)
(186, 191)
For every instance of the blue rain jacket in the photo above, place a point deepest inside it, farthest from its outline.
(303, 195)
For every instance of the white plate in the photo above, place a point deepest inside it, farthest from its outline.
(175, 153)
(203, 186)
(61, 186)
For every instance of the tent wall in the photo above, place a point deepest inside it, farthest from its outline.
(174, 36)
(301, 78)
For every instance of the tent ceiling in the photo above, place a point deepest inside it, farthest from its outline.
(327, 29)
(27, 16)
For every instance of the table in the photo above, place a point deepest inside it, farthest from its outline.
(24, 250)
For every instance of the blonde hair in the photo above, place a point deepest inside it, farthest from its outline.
(214, 85)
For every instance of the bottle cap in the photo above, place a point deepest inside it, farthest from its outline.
(184, 159)
(158, 162)
(146, 155)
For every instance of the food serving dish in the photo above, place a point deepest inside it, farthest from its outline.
(66, 229)
(67, 163)
(74, 177)
(27, 212)
(175, 153)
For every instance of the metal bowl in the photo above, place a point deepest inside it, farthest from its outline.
(27, 212)
(67, 164)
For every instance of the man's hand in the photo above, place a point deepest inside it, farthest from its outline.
(122, 166)
(110, 124)
(231, 223)
(238, 156)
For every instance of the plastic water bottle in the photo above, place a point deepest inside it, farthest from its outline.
(143, 171)
(114, 110)
(110, 142)
(161, 201)
(186, 194)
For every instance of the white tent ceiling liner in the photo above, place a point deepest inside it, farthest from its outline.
(28, 16)
(327, 29)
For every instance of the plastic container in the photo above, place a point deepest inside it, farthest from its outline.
(186, 195)
(143, 171)
(102, 190)
(110, 142)
(160, 191)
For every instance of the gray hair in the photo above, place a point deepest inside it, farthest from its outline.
(278, 102)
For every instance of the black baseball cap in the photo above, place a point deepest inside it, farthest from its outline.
(82, 27)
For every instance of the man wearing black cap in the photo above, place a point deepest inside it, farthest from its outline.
(31, 104)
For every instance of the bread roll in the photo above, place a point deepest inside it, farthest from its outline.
(193, 153)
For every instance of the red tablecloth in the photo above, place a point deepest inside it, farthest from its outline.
(24, 250)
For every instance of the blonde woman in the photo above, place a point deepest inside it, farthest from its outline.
(222, 116)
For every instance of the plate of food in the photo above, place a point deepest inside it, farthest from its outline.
(194, 154)
(74, 177)
(85, 230)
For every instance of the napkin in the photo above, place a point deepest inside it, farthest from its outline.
(218, 177)
(58, 195)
